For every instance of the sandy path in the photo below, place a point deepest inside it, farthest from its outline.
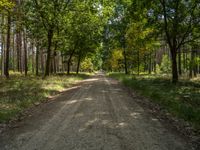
(98, 115)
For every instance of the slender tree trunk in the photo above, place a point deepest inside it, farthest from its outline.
(50, 36)
(179, 63)
(125, 60)
(138, 65)
(2, 55)
(68, 65)
(13, 53)
(6, 66)
(78, 65)
(194, 66)
(54, 63)
(54, 58)
(37, 60)
(191, 63)
(184, 61)
(19, 46)
(145, 63)
(33, 58)
(25, 55)
(174, 66)
(155, 63)
(2, 48)
(186, 57)
(150, 64)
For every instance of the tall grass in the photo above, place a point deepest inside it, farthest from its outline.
(19, 93)
(182, 100)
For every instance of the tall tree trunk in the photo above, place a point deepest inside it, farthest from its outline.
(125, 61)
(54, 58)
(37, 60)
(33, 58)
(195, 64)
(68, 65)
(179, 62)
(138, 65)
(13, 52)
(2, 54)
(150, 64)
(2, 48)
(155, 63)
(2, 57)
(184, 60)
(25, 55)
(174, 66)
(145, 63)
(18, 27)
(19, 46)
(191, 63)
(6, 66)
(78, 65)
(48, 60)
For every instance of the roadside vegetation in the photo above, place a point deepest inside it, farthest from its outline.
(45, 37)
(19, 92)
(181, 100)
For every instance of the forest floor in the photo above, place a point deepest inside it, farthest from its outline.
(97, 114)
(19, 92)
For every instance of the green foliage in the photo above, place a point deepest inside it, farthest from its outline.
(6, 5)
(116, 60)
(181, 100)
(87, 65)
(165, 64)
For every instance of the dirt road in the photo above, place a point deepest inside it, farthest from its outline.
(97, 115)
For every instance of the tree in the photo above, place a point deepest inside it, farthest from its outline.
(178, 19)
(49, 13)
(6, 7)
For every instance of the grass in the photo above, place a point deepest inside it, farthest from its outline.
(19, 93)
(181, 100)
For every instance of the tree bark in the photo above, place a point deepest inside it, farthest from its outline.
(138, 65)
(2, 48)
(150, 64)
(174, 66)
(13, 53)
(47, 69)
(54, 58)
(37, 60)
(19, 46)
(179, 63)
(155, 63)
(78, 65)
(195, 67)
(25, 55)
(6, 66)
(33, 57)
(125, 61)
